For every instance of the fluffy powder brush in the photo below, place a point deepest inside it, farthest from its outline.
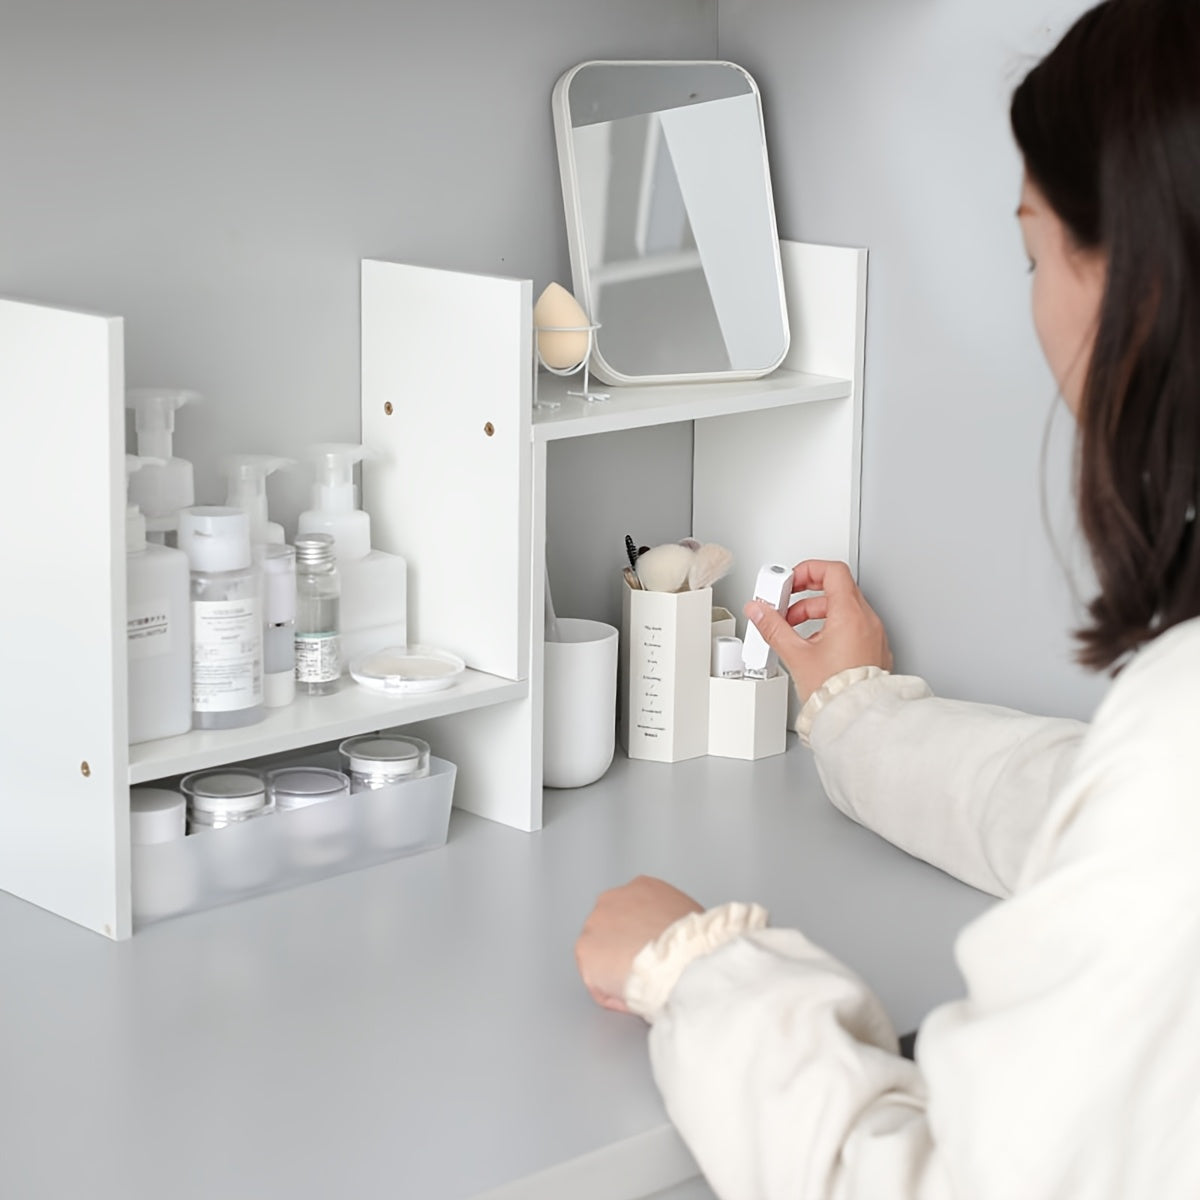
(682, 566)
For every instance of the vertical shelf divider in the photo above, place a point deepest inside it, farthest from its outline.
(64, 814)
(447, 380)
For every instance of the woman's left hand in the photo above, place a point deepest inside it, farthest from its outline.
(624, 920)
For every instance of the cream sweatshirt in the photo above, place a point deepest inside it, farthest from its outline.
(1071, 1068)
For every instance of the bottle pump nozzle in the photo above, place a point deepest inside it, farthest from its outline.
(246, 476)
(154, 417)
(135, 523)
(334, 490)
(169, 486)
(335, 500)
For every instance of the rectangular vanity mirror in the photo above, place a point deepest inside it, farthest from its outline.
(670, 220)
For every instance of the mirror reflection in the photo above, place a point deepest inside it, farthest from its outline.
(670, 219)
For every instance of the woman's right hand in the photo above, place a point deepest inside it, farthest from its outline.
(852, 635)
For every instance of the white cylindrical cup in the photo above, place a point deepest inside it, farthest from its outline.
(580, 695)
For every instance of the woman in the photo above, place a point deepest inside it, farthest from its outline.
(1072, 1068)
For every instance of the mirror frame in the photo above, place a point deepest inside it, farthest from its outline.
(573, 209)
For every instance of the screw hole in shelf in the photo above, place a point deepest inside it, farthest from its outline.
(85, 769)
(489, 429)
(387, 409)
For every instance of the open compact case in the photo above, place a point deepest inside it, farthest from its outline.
(400, 670)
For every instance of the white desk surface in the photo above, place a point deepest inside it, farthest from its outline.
(418, 1030)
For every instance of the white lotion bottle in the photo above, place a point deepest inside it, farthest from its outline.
(162, 489)
(227, 617)
(374, 584)
(335, 508)
(158, 629)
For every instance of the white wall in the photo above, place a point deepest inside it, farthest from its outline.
(214, 173)
(887, 127)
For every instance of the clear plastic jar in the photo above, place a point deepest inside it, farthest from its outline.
(315, 831)
(225, 797)
(378, 760)
(298, 787)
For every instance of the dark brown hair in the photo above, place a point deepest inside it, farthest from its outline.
(1109, 127)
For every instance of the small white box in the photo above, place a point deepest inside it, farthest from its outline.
(747, 718)
(666, 647)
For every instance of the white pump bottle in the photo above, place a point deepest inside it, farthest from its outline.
(158, 624)
(165, 486)
(246, 488)
(335, 508)
(374, 599)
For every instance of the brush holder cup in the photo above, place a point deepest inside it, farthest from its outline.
(579, 731)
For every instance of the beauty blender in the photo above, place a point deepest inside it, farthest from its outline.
(556, 308)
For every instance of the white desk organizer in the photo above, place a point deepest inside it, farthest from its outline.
(747, 718)
(448, 416)
(666, 647)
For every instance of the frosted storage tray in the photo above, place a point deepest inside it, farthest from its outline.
(284, 849)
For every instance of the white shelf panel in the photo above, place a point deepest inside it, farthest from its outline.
(309, 720)
(661, 404)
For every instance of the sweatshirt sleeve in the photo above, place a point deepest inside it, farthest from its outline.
(1068, 1069)
(963, 786)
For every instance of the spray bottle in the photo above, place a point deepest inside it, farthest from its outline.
(374, 584)
(246, 488)
(162, 489)
(158, 625)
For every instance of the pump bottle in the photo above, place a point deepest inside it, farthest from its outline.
(374, 584)
(227, 618)
(158, 625)
(246, 488)
(160, 490)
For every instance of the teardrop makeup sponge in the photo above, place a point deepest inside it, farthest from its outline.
(556, 307)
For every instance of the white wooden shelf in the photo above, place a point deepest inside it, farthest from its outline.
(457, 483)
(661, 404)
(309, 720)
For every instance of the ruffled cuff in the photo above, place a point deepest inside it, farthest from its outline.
(660, 963)
(833, 686)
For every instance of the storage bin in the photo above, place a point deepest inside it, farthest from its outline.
(286, 848)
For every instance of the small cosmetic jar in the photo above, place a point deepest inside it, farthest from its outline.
(316, 832)
(163, 875)
(298, 787)
(219, 798)
(380, 760)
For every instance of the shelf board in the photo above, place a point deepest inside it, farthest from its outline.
(661, 404)
(309, 720)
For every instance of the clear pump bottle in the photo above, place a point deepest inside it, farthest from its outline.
(227, 618)
(318, 596)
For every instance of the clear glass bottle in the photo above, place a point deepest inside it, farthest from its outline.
(318, 630)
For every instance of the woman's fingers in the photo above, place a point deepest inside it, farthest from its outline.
(823, 575)
(809, 608)
(779, 635)
(852, 635)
